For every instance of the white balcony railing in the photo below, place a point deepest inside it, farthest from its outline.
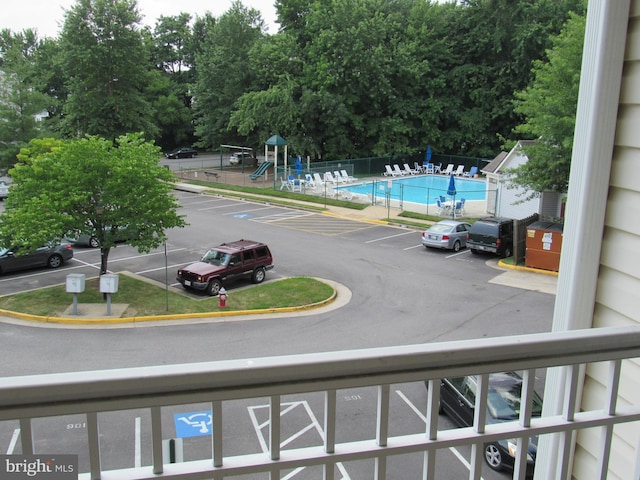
(96, 393)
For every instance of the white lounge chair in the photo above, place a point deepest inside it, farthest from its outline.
(347, 177)
(429, 169)
(408, 170)
(329, 178)
(398, 170)
(345, 194)
(317, 179)
(388, 172)
(419, 168)
(338, 176)
(449, 169)
(459, 171)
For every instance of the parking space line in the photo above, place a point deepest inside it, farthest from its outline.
(424, 419)
(13, 442)
(415, 246)
(390, 236)
(160, 268)
(281, 216)
(209, 200)
(312, 425)
(257, 209)
(462, 252)
(226, 205)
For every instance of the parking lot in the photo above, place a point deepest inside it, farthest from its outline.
(402, 294)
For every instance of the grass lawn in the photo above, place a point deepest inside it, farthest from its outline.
(145, 299)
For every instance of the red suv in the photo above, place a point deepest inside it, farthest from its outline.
(227, 262)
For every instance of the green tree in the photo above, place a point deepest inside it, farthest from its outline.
(549, 107)
(171, 79)
(94, 186)
(493, 44)
(107, 66)
(171, 37)
(21, 96)
(223, 73)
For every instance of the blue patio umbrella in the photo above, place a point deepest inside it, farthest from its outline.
(298, 165)
(428, 154)
(451, 191)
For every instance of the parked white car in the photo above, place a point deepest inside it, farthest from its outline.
(4, 190)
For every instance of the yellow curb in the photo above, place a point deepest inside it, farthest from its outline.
(502, 264)
(154, 318)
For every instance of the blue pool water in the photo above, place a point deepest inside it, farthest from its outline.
(424, 189)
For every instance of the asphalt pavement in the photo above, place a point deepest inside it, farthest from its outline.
(99, 315)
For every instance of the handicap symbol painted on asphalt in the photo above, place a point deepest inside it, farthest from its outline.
(242, 215)
(193, 424)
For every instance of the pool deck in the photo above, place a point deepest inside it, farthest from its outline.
(472, 208)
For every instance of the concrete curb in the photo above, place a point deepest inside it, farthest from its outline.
(203, 316)
(520, 268)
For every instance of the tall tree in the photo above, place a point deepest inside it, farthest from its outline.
(169, 90)
(549, 107)
(21, 96)
(223, 72)
(94, 186)
(107, 66)
(494, 43)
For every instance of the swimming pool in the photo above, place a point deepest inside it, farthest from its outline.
(423, 189)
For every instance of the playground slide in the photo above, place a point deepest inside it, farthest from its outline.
(261, 169)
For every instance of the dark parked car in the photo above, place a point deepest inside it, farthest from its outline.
(492, 235)
(449, 234)
(78, 238)
(51, 255)
(457, 400)
(227, 262)
(182, 152)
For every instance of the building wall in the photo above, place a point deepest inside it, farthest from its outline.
(618, 282)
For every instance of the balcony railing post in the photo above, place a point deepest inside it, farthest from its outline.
(26, 436)
(156, 439)
(216, 432)
(94, 445)
(274, 427)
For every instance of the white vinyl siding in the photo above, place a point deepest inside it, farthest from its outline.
(619, 275)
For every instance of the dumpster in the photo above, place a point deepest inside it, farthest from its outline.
(543, 245)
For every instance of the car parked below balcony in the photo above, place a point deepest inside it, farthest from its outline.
(51, 255)
(449, 234)
(457, 400)
(182, 152)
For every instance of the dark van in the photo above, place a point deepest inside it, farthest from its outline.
(492, 235)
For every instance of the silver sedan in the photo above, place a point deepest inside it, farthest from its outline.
(448, 234)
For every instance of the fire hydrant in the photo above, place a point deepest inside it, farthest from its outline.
(222, 297)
